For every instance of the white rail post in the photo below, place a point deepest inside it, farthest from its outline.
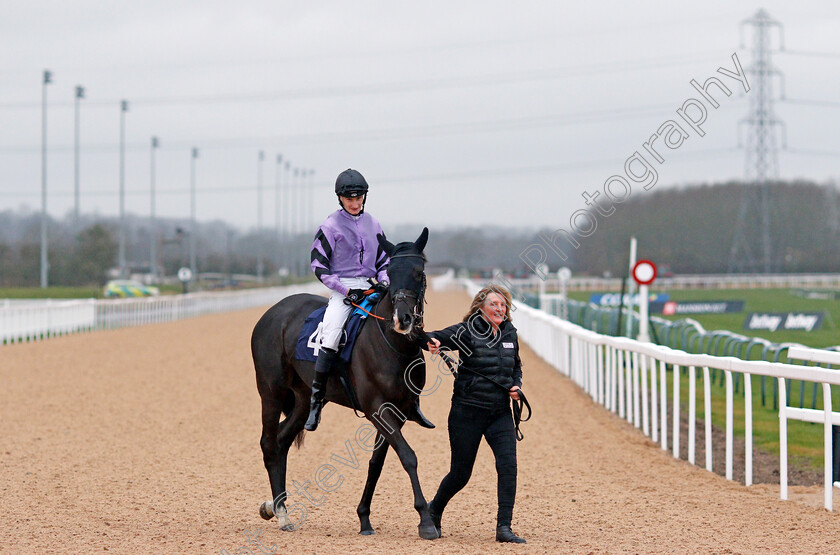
(729, 423)
(783, 470)
(675, 437)
(628, 384)
(692, 413)
(663, 403)
(829, 484)
(654, 413)
(637, 416)
(601, 356)
(645, 398)
(707, 420)
(748, 439)
(620, 374)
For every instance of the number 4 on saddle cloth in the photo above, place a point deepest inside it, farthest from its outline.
(309, 342)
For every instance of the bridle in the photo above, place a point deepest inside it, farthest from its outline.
(419, 297)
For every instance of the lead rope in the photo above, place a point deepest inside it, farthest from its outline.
(517, 404)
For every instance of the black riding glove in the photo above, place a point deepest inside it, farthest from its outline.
(356, 295)
(381, 287)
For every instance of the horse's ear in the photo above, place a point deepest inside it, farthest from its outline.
(385, 244)
(420, 243)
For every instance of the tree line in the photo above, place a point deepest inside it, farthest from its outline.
(692, 229)
(689, 228)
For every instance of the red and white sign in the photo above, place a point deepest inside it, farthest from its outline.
(644, 272)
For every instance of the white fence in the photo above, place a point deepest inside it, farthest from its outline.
(630, 379)
(34, 320)
(723, 281)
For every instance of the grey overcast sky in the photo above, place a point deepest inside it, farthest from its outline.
(457, 113)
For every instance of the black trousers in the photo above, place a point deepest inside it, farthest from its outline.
(467, 424)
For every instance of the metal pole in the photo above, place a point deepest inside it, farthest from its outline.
(153, 238)
(193, 265)
(44, 260)
(287, 209)
(307, 225)
(122, 263)
(310, 201)
(644, 336)
(260, 158)
(278, 205)
(295, 198)
(297, 212)
(80, 94)
(304, 200)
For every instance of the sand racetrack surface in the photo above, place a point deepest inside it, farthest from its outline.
(147, 440)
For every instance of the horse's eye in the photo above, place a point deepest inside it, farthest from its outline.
(418, 274)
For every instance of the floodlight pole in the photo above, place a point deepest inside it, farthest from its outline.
(193, 265)
(122, 263)
(278, 205)
(44, 261)
(260, 270)
(80, 94)
(152, 221)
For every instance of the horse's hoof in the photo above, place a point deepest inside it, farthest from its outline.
(267, 510)
(429, 532)
(286, 525)
(368, 532)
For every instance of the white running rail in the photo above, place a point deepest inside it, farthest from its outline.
(630, 379)
(35, 320)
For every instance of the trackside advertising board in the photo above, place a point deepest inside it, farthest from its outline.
(670, 308)
(773, 321)
(614, 299)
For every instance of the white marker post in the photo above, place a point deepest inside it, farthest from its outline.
(644, 272)
(542, 275)
(563, 276)
(185, 276)
(630, 288)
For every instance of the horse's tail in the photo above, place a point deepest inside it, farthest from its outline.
(288, 407)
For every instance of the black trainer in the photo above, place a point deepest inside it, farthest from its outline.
(505, 534)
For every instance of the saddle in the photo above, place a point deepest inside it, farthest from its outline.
(309, 342)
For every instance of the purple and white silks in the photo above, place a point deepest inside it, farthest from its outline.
(345, 246)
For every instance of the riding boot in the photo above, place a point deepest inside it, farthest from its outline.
(505, 534)
(418, 416)
(323, 367)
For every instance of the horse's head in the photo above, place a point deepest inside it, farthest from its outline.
(408, 280)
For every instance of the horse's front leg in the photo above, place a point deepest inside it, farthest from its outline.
(388, 420)
(377, 460)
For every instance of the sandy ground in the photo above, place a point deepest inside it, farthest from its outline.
(147, 439)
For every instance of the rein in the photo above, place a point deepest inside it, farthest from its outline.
(351, 303)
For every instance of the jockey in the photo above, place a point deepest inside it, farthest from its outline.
(345, 256)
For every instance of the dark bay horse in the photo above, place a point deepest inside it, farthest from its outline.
(383, 351)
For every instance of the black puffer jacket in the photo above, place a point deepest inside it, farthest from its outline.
(481, 352)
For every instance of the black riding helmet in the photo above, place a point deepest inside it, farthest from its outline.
(351, 184)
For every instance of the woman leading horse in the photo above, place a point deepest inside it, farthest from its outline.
(489, 376)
